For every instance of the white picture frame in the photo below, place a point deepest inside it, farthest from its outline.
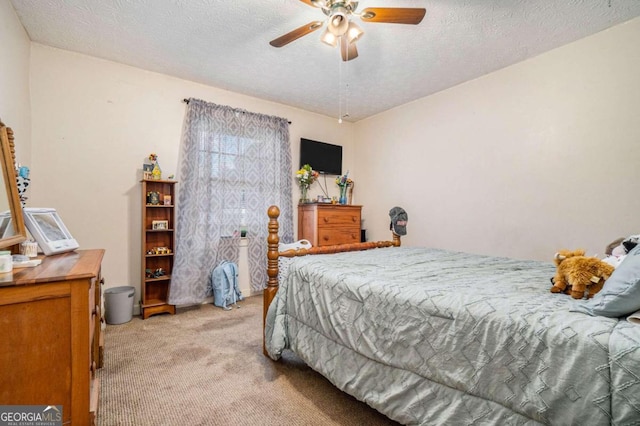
(159, 225)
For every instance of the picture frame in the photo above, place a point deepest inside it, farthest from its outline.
(166, 199)
(159, 224)
(153, 198)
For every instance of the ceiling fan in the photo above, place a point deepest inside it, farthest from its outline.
(341, 30)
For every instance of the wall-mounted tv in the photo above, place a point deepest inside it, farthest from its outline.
(322, 157)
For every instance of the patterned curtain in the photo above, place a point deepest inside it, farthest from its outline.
(233, 165)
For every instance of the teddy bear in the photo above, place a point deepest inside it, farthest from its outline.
(576, 273)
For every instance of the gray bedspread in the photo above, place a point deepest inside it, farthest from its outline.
(436, 337)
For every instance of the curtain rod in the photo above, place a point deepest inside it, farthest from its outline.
(186, 101)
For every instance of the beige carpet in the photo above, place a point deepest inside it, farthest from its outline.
(204, 366)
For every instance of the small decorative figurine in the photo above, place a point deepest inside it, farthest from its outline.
(156, 171)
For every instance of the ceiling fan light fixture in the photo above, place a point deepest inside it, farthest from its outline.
(329, 38)
(338, 21)
(354, 32)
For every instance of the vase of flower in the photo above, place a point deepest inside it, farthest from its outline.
(305, 176)
(303, 194)
(343, 194)
(343, 183)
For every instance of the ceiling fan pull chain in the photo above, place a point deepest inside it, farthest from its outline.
(340, 89)
(346, 86)
(346, 108)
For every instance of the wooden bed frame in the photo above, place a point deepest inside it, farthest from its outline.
(273, 254)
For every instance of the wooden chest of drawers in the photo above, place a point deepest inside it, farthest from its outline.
(329, 224)
(51, 335)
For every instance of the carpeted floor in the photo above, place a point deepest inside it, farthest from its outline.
(204, 366)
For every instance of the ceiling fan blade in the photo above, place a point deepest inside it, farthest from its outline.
(296, 34)
(313, 3)
(393, 15)
(348, 50)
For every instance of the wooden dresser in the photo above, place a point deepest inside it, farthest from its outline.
(50, 335)
(328, 224)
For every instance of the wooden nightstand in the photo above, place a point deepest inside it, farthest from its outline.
(329, 224)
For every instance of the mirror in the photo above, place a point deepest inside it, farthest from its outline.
(12, 230)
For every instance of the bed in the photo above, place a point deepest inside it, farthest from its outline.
(430, 336)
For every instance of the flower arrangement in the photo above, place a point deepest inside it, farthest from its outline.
(306, 176)
(344, 182)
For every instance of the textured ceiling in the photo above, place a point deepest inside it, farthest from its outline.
(225, 43)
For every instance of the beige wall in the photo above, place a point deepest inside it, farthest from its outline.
(95, 121)
(541, 155)
(14, 79)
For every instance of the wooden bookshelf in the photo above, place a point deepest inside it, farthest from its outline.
(158, 244)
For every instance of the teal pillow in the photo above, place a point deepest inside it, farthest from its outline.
(620, 295)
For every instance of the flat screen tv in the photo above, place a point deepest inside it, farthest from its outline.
(49, 231)
(322, 157)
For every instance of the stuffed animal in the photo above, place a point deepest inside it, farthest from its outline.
(576, 273)
(615, 245)
(618, 249)
(622, 246)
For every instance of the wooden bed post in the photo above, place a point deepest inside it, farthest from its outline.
(272, 266)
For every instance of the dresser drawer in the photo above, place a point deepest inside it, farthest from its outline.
(343, 216)
(331, 236)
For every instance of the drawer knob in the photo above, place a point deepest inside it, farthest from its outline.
(326, 219)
